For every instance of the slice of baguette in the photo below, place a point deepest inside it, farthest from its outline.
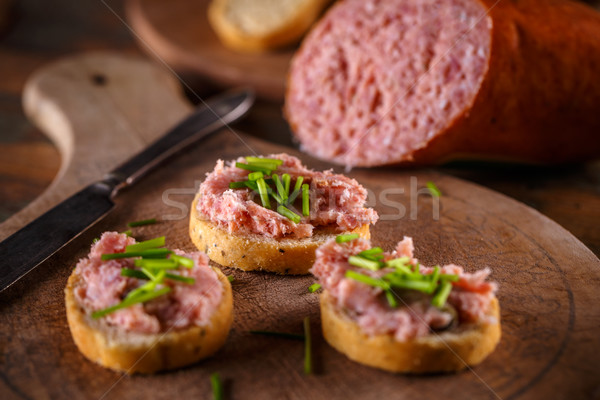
(446, 351)
(147, 353)
(261, 25)
(255, 252)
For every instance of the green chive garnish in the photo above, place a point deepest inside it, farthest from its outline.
(375, 254)
(254, 168)
(164, 263)
(314, 287)
(237, 185)
(346, 238)
(305, 200)
(180, 278)
(217, 386)
(289, 214)
(435, 192)
(391, 298)
(147, 244)
(297, 189)
(231, 278)
(286, 184)
(127, 232)
(364, 263)
(150, 253)
(143, 222)
(131, 301)
(449, 277)
(264, 194)
(183, 261)
(367, 280)
(255, 175)
(133, 273)
(280, 189)
(275, 161)
(307, 347)
(421, 286)
(442, 295)
(284, 335)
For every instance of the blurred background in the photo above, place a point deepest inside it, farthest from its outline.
(35, 32)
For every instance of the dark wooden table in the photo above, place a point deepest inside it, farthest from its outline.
(37, 32)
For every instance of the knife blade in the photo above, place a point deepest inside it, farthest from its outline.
(44, 236)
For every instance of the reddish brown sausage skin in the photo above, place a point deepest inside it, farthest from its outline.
(536, 98)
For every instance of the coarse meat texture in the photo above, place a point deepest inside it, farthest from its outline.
(415, 316)
(336, 201)
(101, 286)
(378, 79)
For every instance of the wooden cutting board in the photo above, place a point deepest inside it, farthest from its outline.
(100, 108)
(178, 33)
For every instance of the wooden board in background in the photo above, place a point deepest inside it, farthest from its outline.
(548, 279)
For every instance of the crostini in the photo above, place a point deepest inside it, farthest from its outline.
(272, 213)
(387, 311)
(141, 308)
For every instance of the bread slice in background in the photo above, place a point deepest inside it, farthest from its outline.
(262, 25)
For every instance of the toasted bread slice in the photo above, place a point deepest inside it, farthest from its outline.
(250, 252)
(130, 352)
(261, 25)
(446, 351)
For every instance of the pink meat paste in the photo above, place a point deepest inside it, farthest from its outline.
(336, 201)
(470, 296)
(101, 286)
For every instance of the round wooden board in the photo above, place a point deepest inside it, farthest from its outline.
(178, 33)
(548, 279)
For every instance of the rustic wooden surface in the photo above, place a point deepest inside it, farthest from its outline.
(548, 279)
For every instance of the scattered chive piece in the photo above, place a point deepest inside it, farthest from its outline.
(296, 191)
(284, 335)
(274, 195)
(346, 238)
(314, 287)
(184, 261)
(264, 195)
(255, 168)
(217, 386)
(231, 278)
(280, 189)
(305, 200)
(391, 298)
(147, 244)
(265, 160)
(143, 222)
(435, 192)
(237, 185)
(289, 214)
(374, 254)
(435, 275)
(422, 286)
(133, 273)
(255, 175)
(442, 295)
(131, 301)
(164, 263)
(286, 184)
(367, 279)
(127, 232)
(150, 253)
(364, 263)
(307, 347)
(397, 262)
(449, 277)
(95, 240)
(180, 278)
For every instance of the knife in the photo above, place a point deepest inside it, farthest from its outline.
(61, 224)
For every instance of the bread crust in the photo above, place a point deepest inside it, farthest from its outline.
(447, 351)
(290, 30)
(251, 252)
(132, 352)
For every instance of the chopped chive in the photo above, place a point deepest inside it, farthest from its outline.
(150, 253)
(307, 347)
(254, 168)
(364, 263)
(180, 278)
(271, 193)
(435, 192)
(128, 302)
(449, 277)
(95, 240)
(165, 263)
(314, 287)
(286, 184)
(284, 335)
(251, 185)
(237, 185)
(442, 295)
(367, 280)
(231, 278)
(265, 160)
(398, 262)
(289, 214)
(147, 244)
(435, 275)
(374, 254)
(346, 238)
(255, 175)
(217, 386)
(280, 189)
(391, 298)
(296, 191)
(127, 232)
(264, 194)
(133, 273)
(305, 200)
(184, 261)
(143, 222)
(421, 286)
